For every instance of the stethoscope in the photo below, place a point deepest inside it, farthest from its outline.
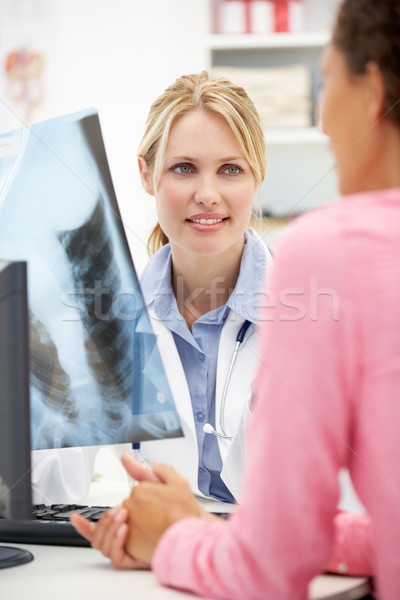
(208, 428)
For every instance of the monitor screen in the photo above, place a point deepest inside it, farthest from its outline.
(96, 374)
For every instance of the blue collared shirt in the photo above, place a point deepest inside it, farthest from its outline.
(198, 349)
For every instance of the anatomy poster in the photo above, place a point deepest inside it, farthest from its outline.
(27, 33)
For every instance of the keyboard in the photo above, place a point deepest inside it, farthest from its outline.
(49, 525)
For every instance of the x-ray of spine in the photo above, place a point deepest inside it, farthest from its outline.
(107, 338)
(96, 372)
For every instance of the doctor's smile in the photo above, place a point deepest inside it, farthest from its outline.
(207, 222)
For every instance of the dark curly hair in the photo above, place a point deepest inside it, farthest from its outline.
(369, 31)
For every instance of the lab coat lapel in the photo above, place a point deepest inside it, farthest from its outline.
(174, 370)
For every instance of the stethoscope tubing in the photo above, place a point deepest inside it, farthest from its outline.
(239, 340)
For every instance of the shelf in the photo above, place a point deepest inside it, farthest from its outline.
(301, 174)
(306, 135)
(250, 41)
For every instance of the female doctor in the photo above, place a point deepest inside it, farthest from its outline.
(202, 157)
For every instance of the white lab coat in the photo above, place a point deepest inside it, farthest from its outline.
(182, 453)
(61, 475)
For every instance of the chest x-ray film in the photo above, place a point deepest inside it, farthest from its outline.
(96, 375)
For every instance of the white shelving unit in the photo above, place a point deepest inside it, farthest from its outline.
(303, 135)
(245, 41)
(300, 166)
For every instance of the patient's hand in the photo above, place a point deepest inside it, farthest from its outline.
(153, 507)
(110, 534)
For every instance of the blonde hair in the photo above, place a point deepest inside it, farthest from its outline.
(216, 95)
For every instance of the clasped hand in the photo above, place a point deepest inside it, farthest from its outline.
(128, 534)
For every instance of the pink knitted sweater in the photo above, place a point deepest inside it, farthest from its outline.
(327, 396)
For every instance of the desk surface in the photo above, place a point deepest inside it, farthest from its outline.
(72, 573)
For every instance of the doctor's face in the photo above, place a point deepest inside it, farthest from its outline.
(205, 193)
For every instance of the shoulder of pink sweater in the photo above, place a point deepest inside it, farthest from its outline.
(352, 552)
(311, 237)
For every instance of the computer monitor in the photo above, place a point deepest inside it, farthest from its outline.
(96, 374)
(15, 490)
(14, 392)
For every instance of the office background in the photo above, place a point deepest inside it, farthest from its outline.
(119, 55)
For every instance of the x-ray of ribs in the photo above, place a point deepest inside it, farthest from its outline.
(108, 341)
(49, 378)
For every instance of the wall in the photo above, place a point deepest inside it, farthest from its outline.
(115, 55)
